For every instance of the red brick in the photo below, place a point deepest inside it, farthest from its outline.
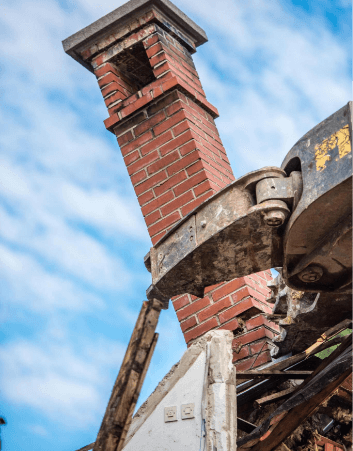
(245, 365)
(167, 124)
(133, 156)
(213, 287)
(262, 358)
(174, 107)
(203, 187)
(149, 123)
(214, 309)
(258, 347)
(125, 138)
(190, 183)
(114, 87)
(108, 79)
(138, 177)
(257, 295)
(254, 362)
(256, 286)
(154, 49)
(192, 205)
(164, 223)
(150, 183)
(177, 203)
(162, 69)
(240, 294)
(157, 142)
(136, 143)
(148, 42)
(183, 163)
(194, 307)
(228, 288)
(232, 325)
(146, 197)
(259, 321)
(176, 142)
(239, 308)
(181, 302)
(196, 167)
(113, 98)
(244, 352)
(181, 127)
(254, 335)
(163, 162)
(171, 82)
(152, 218)
(143, 162)
(172, 181)
(136, 105)
(201, 329)
(158, 59)
(190, 322)
(157, 237)
(157, 203)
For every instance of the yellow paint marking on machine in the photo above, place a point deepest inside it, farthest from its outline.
(339, 139)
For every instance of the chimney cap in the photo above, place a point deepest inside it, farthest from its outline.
(125, 13)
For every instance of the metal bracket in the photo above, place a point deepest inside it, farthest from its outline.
(288, 189)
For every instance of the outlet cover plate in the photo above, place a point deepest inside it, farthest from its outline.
(170, 414)
(187, 411)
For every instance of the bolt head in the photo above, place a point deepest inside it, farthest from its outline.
(274, 218)
(311, 274)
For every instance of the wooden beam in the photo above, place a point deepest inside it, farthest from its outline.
(268, 372)
(128, 384)
(275, 397)
(306, 399)
(137, 393)
(87, 447)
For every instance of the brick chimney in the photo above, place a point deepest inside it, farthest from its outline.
(141, 54)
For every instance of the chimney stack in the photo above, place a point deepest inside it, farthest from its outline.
(141, 54)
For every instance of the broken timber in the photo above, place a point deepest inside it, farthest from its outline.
(269, 372)
(271, 398)
(312, 392)
(128, 384)
(87, 447)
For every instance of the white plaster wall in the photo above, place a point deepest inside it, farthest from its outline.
(182, 435)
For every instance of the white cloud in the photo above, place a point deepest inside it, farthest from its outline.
(26, 283)
(65, 196)
(38, 430)
(271, 77)
(70, 387)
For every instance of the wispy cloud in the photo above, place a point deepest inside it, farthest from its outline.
(72, 237)
(65, 384)
(272, 75)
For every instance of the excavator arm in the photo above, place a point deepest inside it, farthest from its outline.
(298, 217)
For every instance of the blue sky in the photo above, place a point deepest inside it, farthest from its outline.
(72, 238)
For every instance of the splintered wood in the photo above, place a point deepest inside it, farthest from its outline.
(304, 400)
(129, 382)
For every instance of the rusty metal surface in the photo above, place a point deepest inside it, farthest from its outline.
(304, 316)
(225, 237)
(285, 189)
(319, 231)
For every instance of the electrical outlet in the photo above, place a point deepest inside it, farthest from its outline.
(170, 414)
(187, 411)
